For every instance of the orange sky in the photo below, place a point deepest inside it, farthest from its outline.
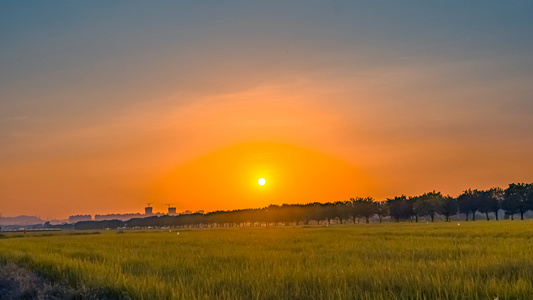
(228, 178)
(209, 154)
(193, 103)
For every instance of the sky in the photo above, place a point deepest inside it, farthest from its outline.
(106, 106)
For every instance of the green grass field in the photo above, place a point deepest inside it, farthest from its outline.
(476, 260)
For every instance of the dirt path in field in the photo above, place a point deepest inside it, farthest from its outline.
(20, 283)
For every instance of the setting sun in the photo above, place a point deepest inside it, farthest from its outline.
(234, 174)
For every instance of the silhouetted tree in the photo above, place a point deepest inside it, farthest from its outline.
(412, 201)
(518, 198)
(381, 209)
(354, 210)
(329, 211)
(364, 207)
(448, 207)
(489, 201)
(343, 210)
(318, 212)
(98, 225)
(428, 204)
(308, 212)
(399, 208)
(469, 203)
(497, 195)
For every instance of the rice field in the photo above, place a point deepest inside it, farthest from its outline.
(473, 260)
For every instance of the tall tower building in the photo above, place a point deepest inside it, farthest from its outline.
(148, 210)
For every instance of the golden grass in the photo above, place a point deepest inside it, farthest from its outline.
(476, 260)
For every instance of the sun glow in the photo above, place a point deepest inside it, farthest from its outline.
(261, 181)
(294, 175)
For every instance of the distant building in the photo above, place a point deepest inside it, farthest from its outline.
(171, 210)
(78, 218)
(121, 217)
(148, 210)
(200, 212)
(187, 212)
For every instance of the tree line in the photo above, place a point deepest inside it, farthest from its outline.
(516, 199)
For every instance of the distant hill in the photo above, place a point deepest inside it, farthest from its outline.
(21, 220)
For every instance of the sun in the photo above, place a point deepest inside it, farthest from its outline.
(261, 181)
